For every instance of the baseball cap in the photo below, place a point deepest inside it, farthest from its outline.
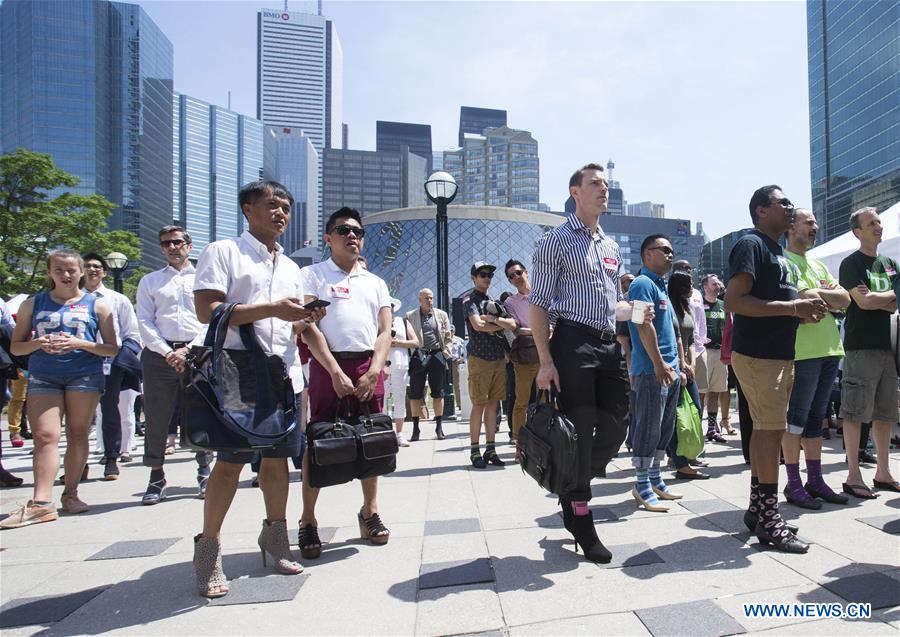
(482, 265)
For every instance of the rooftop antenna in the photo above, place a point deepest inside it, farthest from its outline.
(285, 5)
(229, 100)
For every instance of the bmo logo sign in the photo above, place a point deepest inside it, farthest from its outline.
(278, 15)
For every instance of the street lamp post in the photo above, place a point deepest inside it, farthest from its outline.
(441, 189)
(117, 264)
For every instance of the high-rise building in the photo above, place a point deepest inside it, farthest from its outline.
(615, 204)
(646, 209)
(372, 181)
(854, 107)
(392, 136)
(474, 120)
(292, 160)
(629, 232)
(215, 151)
(499, 168)
(715, 253)
(90, 83)
(300, 76)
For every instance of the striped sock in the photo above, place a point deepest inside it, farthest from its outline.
(475, 451)
(643, 486)
(489, 449)
(656, 479)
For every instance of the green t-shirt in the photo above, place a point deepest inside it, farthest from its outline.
(815, 340)
(867, 329)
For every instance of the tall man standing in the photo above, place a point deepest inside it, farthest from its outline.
(167, 322)
(762, 294)
(575, 276)
(869, 384)
(113, 403)
(487, 365)
(712, 374)
(818, 352)
(430, 360)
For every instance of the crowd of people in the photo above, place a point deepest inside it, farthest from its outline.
(623, 352)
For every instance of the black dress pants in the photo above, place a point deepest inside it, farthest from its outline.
(111, 420)
(594, 396)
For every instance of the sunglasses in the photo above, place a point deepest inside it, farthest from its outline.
(485, 275)
(515, 274)
(784, 202)
(175, 243)
(345, 230)
(663, 249)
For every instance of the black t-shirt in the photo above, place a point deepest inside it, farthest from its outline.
(868, 329)
(489, 346)
(774, 279)
(715, 322)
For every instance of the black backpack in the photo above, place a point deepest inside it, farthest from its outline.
(548, 446)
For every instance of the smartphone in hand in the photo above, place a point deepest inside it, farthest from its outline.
(312, 305)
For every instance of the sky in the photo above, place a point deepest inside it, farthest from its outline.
(697, 103)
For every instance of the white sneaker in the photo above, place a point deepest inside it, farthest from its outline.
(401, 440)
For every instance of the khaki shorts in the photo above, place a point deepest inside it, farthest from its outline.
(869, 386)
(767, 386)
(711, 374)
(487, 380)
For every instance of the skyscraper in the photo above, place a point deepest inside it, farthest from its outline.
(292, 160)
(474, 120)
(854, 107)
(499, 168)
(392, 136)
(373, 181)
(215, 152)
(646, 209)
(90, 83)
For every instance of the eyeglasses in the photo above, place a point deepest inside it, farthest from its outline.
(663, 249)
(515, 274)
(786, 203)
(485, 275)
(175, 243)
(345, 230)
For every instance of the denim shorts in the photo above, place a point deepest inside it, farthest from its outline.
(59, 384)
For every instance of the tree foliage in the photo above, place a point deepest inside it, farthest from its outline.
(32, 222)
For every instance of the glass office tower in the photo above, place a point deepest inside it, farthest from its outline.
(90, 83)
(854, 107)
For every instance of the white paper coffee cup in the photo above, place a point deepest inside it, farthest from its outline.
(637, 312)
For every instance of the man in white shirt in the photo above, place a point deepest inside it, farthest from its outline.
(253, 271)
(167, 323)
(117, 432)
(349, 347)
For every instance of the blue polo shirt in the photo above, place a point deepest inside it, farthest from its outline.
(651, 288)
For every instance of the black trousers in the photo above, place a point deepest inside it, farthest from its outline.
(594, 396)
(111, 420)
(746, 421)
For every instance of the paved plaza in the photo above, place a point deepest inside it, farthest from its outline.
(471, 552)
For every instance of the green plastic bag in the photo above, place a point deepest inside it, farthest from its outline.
(688, 427)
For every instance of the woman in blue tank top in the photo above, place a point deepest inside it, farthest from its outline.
(59, 330)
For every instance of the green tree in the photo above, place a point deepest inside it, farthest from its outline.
(32, 223)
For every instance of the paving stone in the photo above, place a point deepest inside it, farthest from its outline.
(447, 527)
(692, 619)
(625, 555)
(134, 548)
(592, 625)
(887, 523)
(260, 590)
(458, 573)
(43, 610)
(875, 588)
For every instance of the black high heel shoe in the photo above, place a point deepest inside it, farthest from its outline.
(567, 514)
(785, 542)
(586, 536)
(750, 521)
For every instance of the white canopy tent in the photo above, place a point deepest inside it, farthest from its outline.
(13, 304)
(833, 252)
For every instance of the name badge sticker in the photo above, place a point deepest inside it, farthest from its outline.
(663, 306)
(78, 309)
(340, 292)
(610, 263)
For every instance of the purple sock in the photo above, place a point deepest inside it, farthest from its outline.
(794, 486)
(814, 476)
(580, 507)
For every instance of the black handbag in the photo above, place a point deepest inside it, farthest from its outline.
(236, 400)
(351, 447)
(548, 446)
(523, 350)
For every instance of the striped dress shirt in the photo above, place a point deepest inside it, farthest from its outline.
(575, 275)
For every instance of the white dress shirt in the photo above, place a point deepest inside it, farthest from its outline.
(245, 272)
(351, 321)
(124, 318)
(698, 313)
(165, 308)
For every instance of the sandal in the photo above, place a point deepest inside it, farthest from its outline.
(887, 486)
(309, 542)
(372, 529)
(208, 566)
(856, 489)
(170, 449)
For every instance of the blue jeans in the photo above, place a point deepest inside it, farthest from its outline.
(654, 419)
(672, 450)
(813, 379)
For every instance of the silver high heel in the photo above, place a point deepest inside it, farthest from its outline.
(273, 539)
(208, 565)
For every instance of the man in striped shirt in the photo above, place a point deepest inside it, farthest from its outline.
(575, 278)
